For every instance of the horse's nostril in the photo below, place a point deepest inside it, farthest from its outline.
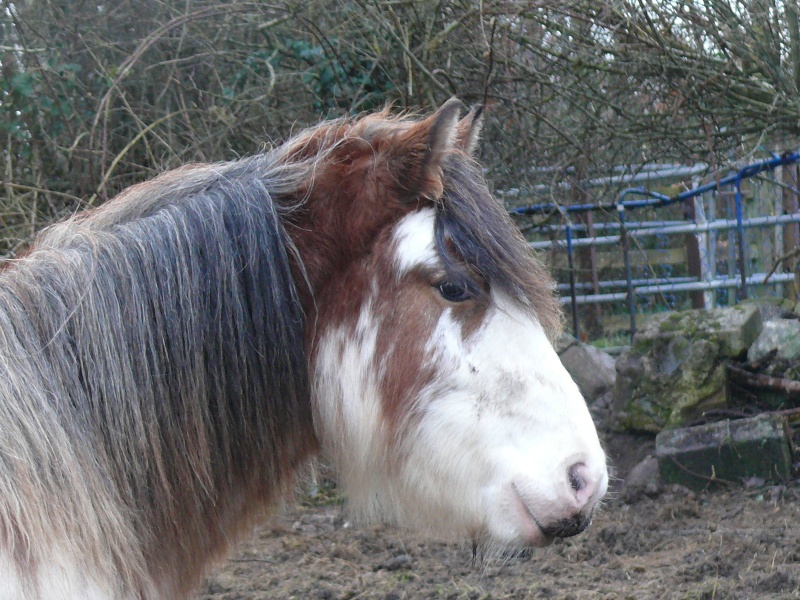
(577, 479)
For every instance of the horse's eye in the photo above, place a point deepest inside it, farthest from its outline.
(453, 292)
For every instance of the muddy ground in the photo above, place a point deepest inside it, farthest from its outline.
(742, 542)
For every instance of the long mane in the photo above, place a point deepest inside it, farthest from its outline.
(145, 339)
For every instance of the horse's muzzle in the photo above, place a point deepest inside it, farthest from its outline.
(565, 528)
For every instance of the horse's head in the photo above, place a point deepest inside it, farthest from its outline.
(437, 391)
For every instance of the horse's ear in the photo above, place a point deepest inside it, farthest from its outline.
(444, 130)
(468, 130)
(418, 155)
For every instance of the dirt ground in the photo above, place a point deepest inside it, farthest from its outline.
(666, 543)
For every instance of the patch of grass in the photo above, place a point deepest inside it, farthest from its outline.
(619, 338)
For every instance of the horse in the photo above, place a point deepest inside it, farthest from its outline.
(172, 360)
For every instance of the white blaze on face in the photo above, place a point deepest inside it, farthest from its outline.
(515, 423)
(498, 444)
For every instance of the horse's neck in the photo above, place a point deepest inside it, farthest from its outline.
(331, 234)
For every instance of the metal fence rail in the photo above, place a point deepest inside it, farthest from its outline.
(625, 233)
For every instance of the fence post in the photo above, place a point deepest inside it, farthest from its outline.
(571, 266)
(740, 239)
(695, 247)
(623, 236)
(587, 262)
(708, 247)
(791, 239)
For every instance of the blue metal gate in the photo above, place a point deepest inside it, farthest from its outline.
(637, 198)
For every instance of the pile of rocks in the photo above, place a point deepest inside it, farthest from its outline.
(709, 367)
(675, 370)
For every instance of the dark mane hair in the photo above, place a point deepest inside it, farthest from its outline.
(474, 231)
(156, 331)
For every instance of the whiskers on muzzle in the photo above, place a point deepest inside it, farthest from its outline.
(486, 555)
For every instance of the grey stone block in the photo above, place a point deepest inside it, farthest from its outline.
(782, 335)
(592, 369)
(734, 328)
(563, 342)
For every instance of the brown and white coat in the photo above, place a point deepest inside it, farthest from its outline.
(171, 360)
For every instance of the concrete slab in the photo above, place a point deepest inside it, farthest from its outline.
(725, 452)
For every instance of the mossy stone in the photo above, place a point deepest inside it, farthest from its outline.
(675, 369)
(735, 328)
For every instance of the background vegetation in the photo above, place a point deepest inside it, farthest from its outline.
(98, 95)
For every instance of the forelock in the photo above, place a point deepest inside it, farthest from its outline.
(475, 236)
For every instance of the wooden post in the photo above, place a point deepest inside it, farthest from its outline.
(709, 260)
(693, 211)
(791, 235)
(587, 260)
(587, 256)
(728, 202)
